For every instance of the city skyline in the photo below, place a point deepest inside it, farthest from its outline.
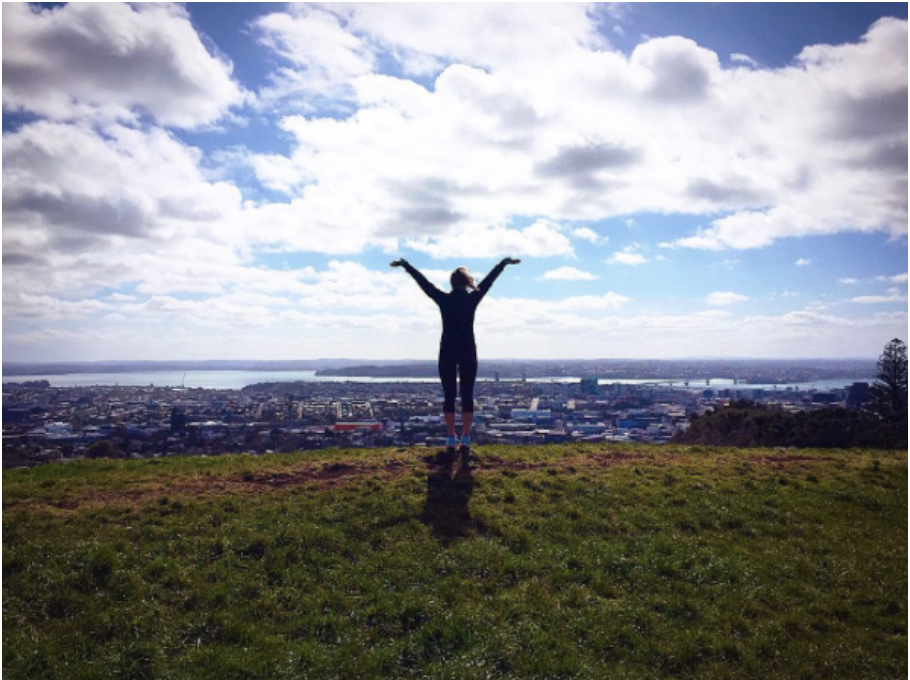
(231, 181)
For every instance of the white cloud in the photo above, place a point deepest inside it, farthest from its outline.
(488, 144)
(73, 230)
(803, 262)
(628, 256)
(740, 58)
(567, 274)
(485, 145)
(590, 302)
(589, 235)
(849, 281)
(838, 105)
(242, 295)
(575, 326)
(541, 239)
(714, 332)
(113, 60)
(676, 69)
(723, 298)
(488, 35)
(27, 306)
(893, 295)
(323, 57)
(898, 278)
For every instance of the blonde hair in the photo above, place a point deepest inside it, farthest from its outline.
(461, 279)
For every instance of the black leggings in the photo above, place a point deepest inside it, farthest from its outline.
(461, 363)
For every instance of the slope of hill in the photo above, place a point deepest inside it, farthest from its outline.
(565, 561)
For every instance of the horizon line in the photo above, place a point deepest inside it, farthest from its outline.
(414, 360)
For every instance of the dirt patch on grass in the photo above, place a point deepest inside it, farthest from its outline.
(306, 475)
(322, 475)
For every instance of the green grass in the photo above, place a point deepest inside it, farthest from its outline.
(564, 561)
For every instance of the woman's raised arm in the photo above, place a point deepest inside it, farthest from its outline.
(494, 274)
(427, 287)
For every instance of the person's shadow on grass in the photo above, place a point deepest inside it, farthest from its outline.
(446, 507)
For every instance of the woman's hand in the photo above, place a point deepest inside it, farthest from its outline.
(510, 260)
(399, 263)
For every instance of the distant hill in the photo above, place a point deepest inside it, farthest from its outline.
(753, 371)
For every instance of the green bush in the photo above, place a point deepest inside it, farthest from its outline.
(749, 424)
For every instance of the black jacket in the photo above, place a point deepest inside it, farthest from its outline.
(457, 307)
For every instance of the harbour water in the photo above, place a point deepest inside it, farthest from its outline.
(235, 380)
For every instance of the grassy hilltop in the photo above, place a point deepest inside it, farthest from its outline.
(563, 561)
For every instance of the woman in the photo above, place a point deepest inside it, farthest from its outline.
(457, 351)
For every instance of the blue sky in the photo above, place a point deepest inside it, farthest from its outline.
(231, 180)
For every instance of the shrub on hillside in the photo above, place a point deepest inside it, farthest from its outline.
(102, 449)
(746, 423)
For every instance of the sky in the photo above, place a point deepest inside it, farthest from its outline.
(231, 181)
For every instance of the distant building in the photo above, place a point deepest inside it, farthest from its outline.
(748, 395)
(590, 386)
(587, 428)
(531, 414)
(636, 423)
(177, 420)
